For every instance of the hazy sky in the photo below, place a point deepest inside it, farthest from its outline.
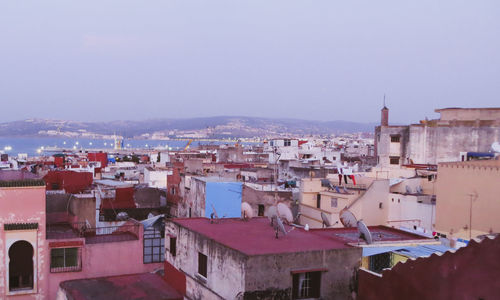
(309, 59)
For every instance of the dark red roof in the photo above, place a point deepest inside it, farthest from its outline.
(257, 237)
(138, 286)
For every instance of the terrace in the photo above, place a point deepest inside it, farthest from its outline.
(93, 235)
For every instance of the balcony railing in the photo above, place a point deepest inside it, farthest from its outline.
(94, 235)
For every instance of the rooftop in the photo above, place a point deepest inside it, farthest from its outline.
(145, 286)
(257, 237)
(18, 178)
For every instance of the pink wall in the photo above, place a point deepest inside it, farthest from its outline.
(23, 205)
(105, 259)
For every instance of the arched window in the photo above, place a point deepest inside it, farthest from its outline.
(21, 266)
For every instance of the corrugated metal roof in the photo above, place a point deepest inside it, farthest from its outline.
(422, 251)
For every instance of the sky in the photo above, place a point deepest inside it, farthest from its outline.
(307, 59)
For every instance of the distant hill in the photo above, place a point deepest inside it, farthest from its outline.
(216, 126)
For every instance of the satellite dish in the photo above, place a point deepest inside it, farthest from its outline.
(285, 213)
(246, 210)
(271, 213)
(495, 147)
(348, 219)
(122, 216)
(364, 233)
(278, 226)
(326, 221)
(408, 189)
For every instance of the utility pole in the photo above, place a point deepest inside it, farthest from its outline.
(472, 198)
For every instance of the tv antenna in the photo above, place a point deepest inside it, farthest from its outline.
(213, 215)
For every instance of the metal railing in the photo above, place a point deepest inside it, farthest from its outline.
(93, 234)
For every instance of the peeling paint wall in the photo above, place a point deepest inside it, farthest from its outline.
(225, 267)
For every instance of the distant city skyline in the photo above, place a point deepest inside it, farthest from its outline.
(321, 60)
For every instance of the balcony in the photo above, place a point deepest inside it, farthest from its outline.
(109, 234)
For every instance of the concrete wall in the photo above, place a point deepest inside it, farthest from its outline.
(469, 114)
(407, 211)
(255, 197)
(23, 205)
(443, 143)
(367, 207)
(457, 184)
(386, 148)
(225, 267)
(270, 277)
(84, 207)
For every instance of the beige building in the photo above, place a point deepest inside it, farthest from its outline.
(408, 202)
(468, 198)
(457, 131)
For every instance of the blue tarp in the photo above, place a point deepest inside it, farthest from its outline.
(480, 154)
(225, 197)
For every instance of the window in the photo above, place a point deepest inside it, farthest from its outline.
(318, 201)
(173, 246)
(202, 264)
(394, 160)
(21, 266)
(65, 260)
(395, 138)
(380, 205)
(287, 143)
(334, 202)
(306, 285)
(154, 245)
(380, 261)
(261, 210)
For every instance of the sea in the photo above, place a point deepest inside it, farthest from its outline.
(36, 146)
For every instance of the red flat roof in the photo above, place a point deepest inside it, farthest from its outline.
(257, 237)
(137, 286)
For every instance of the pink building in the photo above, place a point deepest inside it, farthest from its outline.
(36, 255)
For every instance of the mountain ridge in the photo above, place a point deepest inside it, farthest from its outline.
(217, 125)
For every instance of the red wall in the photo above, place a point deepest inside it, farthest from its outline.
(70, 181)
(472, 272)
(124, 198)
(99, 156)
(175, 278)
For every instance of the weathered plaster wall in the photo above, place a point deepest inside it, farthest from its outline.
(225, 267)
(255, 197)
(270, 277)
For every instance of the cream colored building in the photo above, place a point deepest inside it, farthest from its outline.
(408, 203)
(468, 198)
